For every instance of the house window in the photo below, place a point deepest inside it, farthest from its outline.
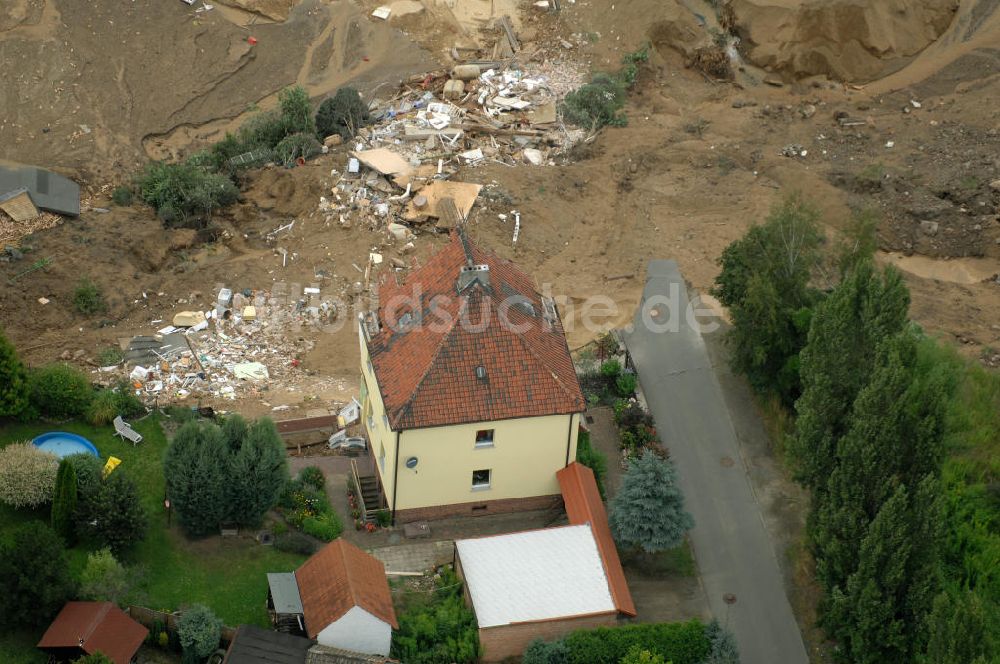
(481, 479)
(385, 420)
(371, 369)
(381, 456)
(484, 438)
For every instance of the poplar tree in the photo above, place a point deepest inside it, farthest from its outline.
(64, 501)
(867, 308)
(879, 613)
(956, 630)
(895, 437)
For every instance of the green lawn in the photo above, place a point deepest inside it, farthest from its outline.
(226, 575)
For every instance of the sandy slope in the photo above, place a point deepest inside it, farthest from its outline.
(851, 40)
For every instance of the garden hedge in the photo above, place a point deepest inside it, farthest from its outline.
(679, 643)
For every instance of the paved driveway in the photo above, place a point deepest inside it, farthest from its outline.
(734, 554)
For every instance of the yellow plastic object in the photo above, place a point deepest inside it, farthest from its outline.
(111, 465)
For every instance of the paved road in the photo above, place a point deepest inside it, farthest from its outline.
(732, 548)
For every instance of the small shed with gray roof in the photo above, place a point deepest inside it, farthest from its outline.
(284, 604)
(47, 190)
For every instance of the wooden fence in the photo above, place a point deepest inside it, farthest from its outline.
(149, 617)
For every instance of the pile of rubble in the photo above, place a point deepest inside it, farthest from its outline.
(399, 170)
(249, 343)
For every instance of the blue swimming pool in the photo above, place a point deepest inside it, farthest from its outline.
(64, 444)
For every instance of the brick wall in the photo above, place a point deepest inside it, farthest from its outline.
(511, 640)
(479, 508)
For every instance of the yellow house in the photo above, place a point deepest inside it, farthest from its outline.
(469, 395)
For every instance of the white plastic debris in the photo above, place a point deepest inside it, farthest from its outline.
(533, 156)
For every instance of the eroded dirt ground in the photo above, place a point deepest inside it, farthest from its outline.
(95, 91)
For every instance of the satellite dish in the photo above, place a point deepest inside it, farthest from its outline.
(411, 462)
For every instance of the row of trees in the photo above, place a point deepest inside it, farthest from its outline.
(232, 473)
(870, 400)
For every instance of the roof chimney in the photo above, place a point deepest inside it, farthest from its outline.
(470, 273)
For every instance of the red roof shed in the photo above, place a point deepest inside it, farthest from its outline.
(83, 628)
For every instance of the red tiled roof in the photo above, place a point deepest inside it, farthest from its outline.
(584, 506)
(426, 371)
(337, 578)
(102, 627)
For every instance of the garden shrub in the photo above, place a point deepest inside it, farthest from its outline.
(180, 414)
(263, 130)
(89, 480)
(110, 403)
(305, 502)
(626, 384)
(122, 196)
(35, 580)
(13, 380)
(64, 497)
(60, 391)
(593, 459)
(678, 643)
(723, 645)
(637, 428)
(27, 475)
(110, 356)
(383, 518)
(326, 527)
(294, 542)
(199, 631)
(313, 476)
(343, 113)
(104, 579)
(611, 368)
(184, 192)
(440, 628)
(637, 655)
(94, 658)
(294, 146)
(119, 520)
(546, 652)
(216, 158)
(88, 299)
(597, 103)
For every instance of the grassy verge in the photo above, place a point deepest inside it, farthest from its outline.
(226, 575)
(678, 561)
